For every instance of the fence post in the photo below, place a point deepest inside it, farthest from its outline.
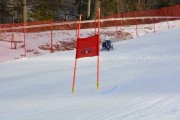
(51, 49)
(166, 16)
(24, 39)
(142, 17)
(121, 18)
(13, 31)
(116, 23)
(11, 40)
(124, 20)
(154, 23)
(136, 24)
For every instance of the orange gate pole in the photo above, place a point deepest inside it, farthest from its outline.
(74, 77)
(95, 25)
(98, 59)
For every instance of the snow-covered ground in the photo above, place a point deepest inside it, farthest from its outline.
(139, 80)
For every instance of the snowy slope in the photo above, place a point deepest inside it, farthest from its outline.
(139, 81)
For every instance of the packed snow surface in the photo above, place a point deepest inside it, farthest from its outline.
(139, 80)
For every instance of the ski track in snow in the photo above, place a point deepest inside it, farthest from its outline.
(139, 81)
(162, 61)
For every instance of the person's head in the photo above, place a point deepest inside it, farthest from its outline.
(107, 38)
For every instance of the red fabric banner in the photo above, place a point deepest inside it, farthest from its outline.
(87, 47)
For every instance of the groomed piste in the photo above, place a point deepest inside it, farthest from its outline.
(139, 80)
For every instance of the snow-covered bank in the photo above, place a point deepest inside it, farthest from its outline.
(36, 43)
(139, 81)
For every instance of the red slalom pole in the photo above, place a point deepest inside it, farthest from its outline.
(98, 59)
(74, 77)
(95, 25)
(77, 29)
(79, 26)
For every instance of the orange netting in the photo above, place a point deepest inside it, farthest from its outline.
(53, 35)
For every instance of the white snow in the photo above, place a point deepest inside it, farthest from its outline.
(139, 80)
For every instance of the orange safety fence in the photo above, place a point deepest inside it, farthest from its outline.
(36, 37)
(147, 17)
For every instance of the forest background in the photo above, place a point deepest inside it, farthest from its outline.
(17, 11)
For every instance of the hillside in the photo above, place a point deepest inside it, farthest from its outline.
(38, 43)
(139, 80)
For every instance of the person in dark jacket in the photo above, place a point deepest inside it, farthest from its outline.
(106, 44)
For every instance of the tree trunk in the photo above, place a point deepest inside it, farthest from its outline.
(58, 10)
(95, 9)
(88, 9)
(4, 11)
(117, 6)
(24, 11)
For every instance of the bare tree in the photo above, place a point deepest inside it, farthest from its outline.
(95, 9)
(24, 11)
(3, 8)
(88, 9)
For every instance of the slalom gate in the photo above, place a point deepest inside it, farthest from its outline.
(88, 47)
